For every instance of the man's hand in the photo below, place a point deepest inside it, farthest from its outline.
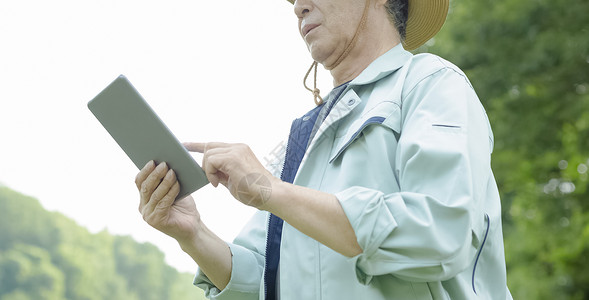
(158, 187)
(236, 167)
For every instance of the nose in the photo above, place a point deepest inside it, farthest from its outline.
(302, 7)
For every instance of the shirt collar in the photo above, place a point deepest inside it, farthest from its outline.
(384, 65)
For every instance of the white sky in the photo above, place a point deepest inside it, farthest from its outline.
(227, 71)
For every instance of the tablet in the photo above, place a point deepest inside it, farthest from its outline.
(143, 136)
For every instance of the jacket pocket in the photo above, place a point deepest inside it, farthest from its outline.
(386, 113)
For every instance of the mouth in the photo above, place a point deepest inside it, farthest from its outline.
(308, 28)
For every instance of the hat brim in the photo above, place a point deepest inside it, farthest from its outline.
(425, 19)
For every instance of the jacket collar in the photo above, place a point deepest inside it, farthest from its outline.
(384, 65)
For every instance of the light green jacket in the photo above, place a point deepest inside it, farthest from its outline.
(407, 151)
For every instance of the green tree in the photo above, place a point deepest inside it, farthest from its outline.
(28, 270)
(143, 266)
(23, 220)
(44, 255)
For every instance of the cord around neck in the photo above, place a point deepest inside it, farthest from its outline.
(316, 92)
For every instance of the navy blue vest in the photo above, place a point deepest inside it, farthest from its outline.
(298, 140)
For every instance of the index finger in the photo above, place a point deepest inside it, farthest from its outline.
(195, 147)
(203, 147)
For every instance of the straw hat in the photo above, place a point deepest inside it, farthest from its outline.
(425, 19)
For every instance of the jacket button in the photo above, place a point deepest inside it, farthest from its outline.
(351, 102)
(306, 118)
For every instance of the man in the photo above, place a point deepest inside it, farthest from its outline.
(386, 191)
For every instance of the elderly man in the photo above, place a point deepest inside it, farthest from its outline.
(386, 190)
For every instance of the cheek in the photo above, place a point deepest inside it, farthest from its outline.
(342, 27)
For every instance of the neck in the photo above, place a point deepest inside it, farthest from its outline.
(356, 63)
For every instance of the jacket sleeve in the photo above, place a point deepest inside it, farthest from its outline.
(430, 229)
(247, 264)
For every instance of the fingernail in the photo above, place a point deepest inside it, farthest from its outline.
(148, 163)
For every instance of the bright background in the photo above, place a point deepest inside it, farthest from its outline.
(227, 71)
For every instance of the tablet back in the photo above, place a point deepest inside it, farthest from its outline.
(142, 135)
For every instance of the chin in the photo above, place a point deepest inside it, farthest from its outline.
(318, 54)
(324, 53)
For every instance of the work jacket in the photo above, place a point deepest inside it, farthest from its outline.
(407, 151)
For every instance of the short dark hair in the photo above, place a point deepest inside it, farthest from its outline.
(398, 12)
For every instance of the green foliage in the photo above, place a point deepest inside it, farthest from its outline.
(44, 255)
(529, 62)
(132, 259)
(29, 268)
